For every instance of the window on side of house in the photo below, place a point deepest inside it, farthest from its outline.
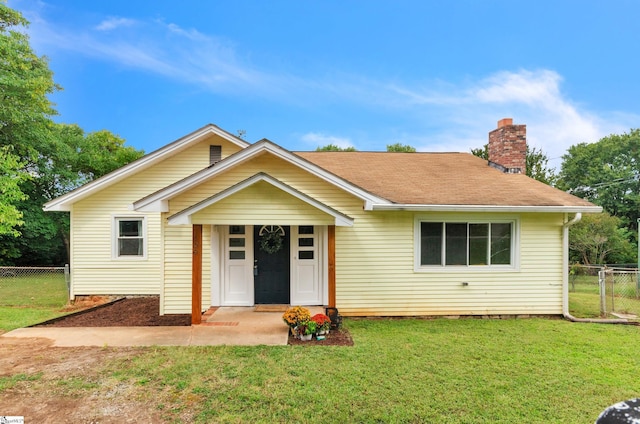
(129, 237)
(466, 244)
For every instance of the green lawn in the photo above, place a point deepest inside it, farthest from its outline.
(27, 300)
(456, 371)
(411, 370)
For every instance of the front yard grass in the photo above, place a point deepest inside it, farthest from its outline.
(411, 370)
(27, 300)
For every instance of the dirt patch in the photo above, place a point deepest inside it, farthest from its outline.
(48, 384)
(339, 337)
(128, 312)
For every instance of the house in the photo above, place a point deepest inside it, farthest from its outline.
(213, 220)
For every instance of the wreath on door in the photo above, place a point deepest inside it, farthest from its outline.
(271, 238)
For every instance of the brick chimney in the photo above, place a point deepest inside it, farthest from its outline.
(508, 147)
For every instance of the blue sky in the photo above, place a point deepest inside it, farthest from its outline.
(437, 75)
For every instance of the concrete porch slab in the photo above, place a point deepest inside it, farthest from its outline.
(234, 326)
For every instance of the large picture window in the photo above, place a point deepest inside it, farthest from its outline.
(466, 243)
(129, 237)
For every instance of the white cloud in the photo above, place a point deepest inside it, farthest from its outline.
(464, 114)
(113, 23)
(438, 115)
(185, 55)
(319, 140)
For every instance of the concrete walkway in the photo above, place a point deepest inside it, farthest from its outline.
(237, 326)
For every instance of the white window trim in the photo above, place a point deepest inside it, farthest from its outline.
(114, 237)
(515, 244)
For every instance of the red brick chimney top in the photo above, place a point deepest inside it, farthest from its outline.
(508, 147)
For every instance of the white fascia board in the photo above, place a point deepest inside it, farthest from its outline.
(184, 216)
(484, 208)
(64, 202)
(246, 154)
(157, 206)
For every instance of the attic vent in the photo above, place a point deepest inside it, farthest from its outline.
(215, 154)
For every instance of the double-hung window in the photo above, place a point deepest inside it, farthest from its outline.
(129, 237)
(465, 244)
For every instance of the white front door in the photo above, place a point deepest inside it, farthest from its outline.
(306, 270)
(237, 253)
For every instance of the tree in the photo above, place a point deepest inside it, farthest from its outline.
(600, 239)
(39, 159)
(400, 148)
(606, 173)
(25, 111)
(335, 148)
(537, 163)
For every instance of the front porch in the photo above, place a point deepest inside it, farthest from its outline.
(239, 277)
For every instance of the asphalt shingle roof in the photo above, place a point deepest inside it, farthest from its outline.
(439, 179)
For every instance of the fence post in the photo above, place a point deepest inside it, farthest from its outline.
(67, 279)
(601, 286)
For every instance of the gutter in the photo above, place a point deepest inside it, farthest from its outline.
(565, 279)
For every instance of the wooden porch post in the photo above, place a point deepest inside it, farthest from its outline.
(332, 265)
(196, 275)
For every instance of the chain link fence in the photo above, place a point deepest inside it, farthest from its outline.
(619, 292)
(34, 286)
(604, 290)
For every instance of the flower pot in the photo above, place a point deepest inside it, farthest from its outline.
(306, 337)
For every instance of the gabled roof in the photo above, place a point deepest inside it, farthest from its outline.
(64, 202)
(184, 216)
(158, 201)
(444, 181)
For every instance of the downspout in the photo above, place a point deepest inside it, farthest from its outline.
(565, 278)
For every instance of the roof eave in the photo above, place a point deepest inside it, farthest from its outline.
(485, 208)
(184, 216)
(64, 202)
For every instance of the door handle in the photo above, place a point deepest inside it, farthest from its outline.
(255, 268)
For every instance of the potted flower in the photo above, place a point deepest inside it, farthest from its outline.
(294, 316)
(323, 323)
(307, 329)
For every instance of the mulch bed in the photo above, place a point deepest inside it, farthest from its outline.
(128, 312)
(144, 312)
(339, 337)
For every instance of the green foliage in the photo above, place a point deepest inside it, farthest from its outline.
(10, 192)
(537, 163)
(335, 148)
(400, 148)
(600, 239)
(25, 110)
(606, 173)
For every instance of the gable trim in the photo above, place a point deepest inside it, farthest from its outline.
(154, 202)
(184, 216)
(481, 208)
(64, 202)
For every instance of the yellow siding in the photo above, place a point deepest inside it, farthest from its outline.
(94, 271)
(264, 204)
(375, 271)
